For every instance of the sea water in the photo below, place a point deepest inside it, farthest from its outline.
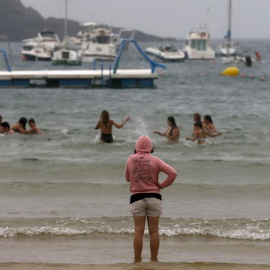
(63, 195)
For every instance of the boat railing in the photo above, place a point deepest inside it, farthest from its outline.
(153, 64)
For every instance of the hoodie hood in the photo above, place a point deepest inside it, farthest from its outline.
(143, 144)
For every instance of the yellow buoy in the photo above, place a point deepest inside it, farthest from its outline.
(230, 71)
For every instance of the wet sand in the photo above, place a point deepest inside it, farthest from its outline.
(137, 266)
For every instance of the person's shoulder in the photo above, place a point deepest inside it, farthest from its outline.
(131, 157)
(14, 125)
(35, 130)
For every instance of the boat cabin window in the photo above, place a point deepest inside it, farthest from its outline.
(65, 54)
(28, 47)
(103, 39)
(198, 44)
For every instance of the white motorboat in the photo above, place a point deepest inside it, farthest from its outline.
(79, 42)
(66, 57)
(48, 39)
(40, 48)
(36, 53)
(198, 45)
(100, 44)
(168, 53)
(230, 48)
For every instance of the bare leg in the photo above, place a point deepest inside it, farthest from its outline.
(154, 236)
(139, 223)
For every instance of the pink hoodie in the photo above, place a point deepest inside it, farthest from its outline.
(142, 169)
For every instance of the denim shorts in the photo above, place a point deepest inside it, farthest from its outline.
(151, 207)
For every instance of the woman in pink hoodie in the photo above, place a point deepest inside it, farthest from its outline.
(142, 171)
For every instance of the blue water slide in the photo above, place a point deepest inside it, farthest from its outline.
(6, 59)
(121, 48)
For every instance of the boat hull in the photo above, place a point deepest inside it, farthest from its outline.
(92, 58)
(32, 57)
(66, 63)
(166, 57)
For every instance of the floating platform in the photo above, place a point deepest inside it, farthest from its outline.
(107, 78)
(78, 78)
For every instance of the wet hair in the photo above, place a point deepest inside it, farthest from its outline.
(198, 117)
(105, 117)
(199, 124)
(32, 120)
(23, 122)
(172, 120)
(208, 118)
(5, 125)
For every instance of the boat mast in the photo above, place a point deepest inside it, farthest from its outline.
(66, 14)
(230, 21)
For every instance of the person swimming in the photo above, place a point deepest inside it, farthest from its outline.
(200, 134)
(33, 127)
(208, 124)
(20, 126)
(197, 118)
(172, 132)
(5, 128)
(106, 124)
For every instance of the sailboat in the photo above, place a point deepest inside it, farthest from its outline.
(230, 48)
(64, 56)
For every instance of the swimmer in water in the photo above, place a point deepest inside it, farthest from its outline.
(106, 124)
(197, 118)
(5, 128)
(208, 125)
(199, 134)
(33, 127)
(20, 126)
(172, 132)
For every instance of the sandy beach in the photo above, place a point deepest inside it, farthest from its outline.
(138, 266)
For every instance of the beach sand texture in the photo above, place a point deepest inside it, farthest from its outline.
(137, 266)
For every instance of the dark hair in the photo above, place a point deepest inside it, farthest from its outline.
(23, 122)
(152, 151)
(1, 117)
(199, 124)
(208, 118)
(172, 120)
(32, 120)
(105, 117)
(5, 125)
(198, 117)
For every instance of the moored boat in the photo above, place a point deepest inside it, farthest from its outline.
(198, 45)
(100, 44)
(230, 48)
(167, 53)
(66, 57)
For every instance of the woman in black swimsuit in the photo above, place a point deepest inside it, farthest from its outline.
(172, 132)
(20, 126)
(106, 124)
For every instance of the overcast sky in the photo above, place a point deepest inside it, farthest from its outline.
(168, 18)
